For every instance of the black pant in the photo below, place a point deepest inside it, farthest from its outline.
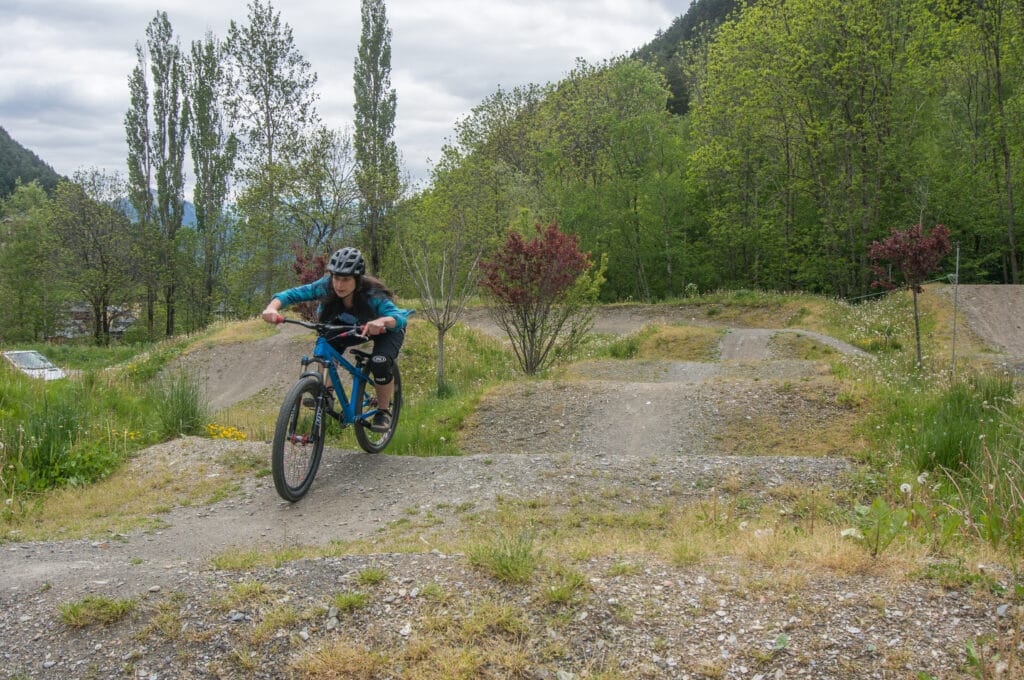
(386, 344)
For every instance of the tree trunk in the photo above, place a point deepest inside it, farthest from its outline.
(440, 362)
(917, 332)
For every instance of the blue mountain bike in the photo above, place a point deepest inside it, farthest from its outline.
(320, 396)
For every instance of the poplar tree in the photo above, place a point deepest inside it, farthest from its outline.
(376, 155)
(272, 104)
(213, 158)
(156, 150)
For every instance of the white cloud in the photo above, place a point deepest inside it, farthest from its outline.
(64, 64)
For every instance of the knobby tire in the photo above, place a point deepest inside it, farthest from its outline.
(299, 439)
(370, 441)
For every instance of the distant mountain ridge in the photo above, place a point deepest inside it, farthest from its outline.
(18, 163)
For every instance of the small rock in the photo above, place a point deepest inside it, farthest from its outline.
(1001, 610)
(154, 589)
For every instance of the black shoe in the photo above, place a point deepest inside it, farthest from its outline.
(381, 421)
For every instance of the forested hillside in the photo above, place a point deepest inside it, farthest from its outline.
(19, 164)
(812, 128)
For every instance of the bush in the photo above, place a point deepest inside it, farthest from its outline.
(544, 292)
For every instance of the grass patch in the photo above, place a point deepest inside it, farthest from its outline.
(371, 576)
(812, 418)
(682, 343)
(671, 343)
(133, 497)
(245, 595)
(507, 557)
(94, 609)
(800, 346)
(347, 602)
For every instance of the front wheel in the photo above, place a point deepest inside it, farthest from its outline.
(299, 438)
(374, 442)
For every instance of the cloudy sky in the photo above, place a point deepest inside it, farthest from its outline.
(64, 64)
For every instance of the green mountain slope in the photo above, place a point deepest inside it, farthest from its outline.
(703, 17)
(18, 163)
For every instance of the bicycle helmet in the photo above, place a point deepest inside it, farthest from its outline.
(347, 262)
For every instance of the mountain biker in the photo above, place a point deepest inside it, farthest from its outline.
(348, 295)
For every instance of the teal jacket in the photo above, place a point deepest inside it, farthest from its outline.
(379, 305)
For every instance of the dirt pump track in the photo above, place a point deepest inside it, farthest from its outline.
(540, 440)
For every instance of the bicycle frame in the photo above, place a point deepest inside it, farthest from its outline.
(329, 359)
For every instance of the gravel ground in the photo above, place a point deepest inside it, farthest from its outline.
(601, 438)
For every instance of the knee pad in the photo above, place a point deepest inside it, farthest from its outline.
(380, 368)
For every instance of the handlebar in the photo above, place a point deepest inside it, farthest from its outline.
(323, 329)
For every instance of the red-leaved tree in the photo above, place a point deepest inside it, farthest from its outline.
(544, 291)
(916, 255)
(308, 269)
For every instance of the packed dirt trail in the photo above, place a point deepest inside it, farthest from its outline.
(628, 433)
(609, 415)
(662, 412)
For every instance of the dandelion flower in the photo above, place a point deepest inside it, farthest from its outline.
(905, 488)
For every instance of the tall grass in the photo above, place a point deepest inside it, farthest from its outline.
(944, 426)
(78, 430)
(181, 409)
(954, 424)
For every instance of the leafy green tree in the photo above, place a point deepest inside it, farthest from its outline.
(28, 278)
(983, 151)
(441, 236)
(91, 229)
(610, 143)
(271, 101)
(321, 202)
(156, 150)
(375, 151)
(544, 291)
(214, 150)
(806, 118)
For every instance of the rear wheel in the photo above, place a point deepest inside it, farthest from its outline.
(299, 439)
(366, 403)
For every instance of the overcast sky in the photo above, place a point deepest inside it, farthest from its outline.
(64, 64)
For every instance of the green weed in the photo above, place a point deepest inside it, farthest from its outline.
(510, 558)
(95, 609)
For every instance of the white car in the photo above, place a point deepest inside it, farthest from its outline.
(31, 362)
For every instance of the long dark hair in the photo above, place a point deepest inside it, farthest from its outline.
(366, 286)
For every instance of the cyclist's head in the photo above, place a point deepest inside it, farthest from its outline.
(347, 262)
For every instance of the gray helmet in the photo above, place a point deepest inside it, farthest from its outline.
(347, 262)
